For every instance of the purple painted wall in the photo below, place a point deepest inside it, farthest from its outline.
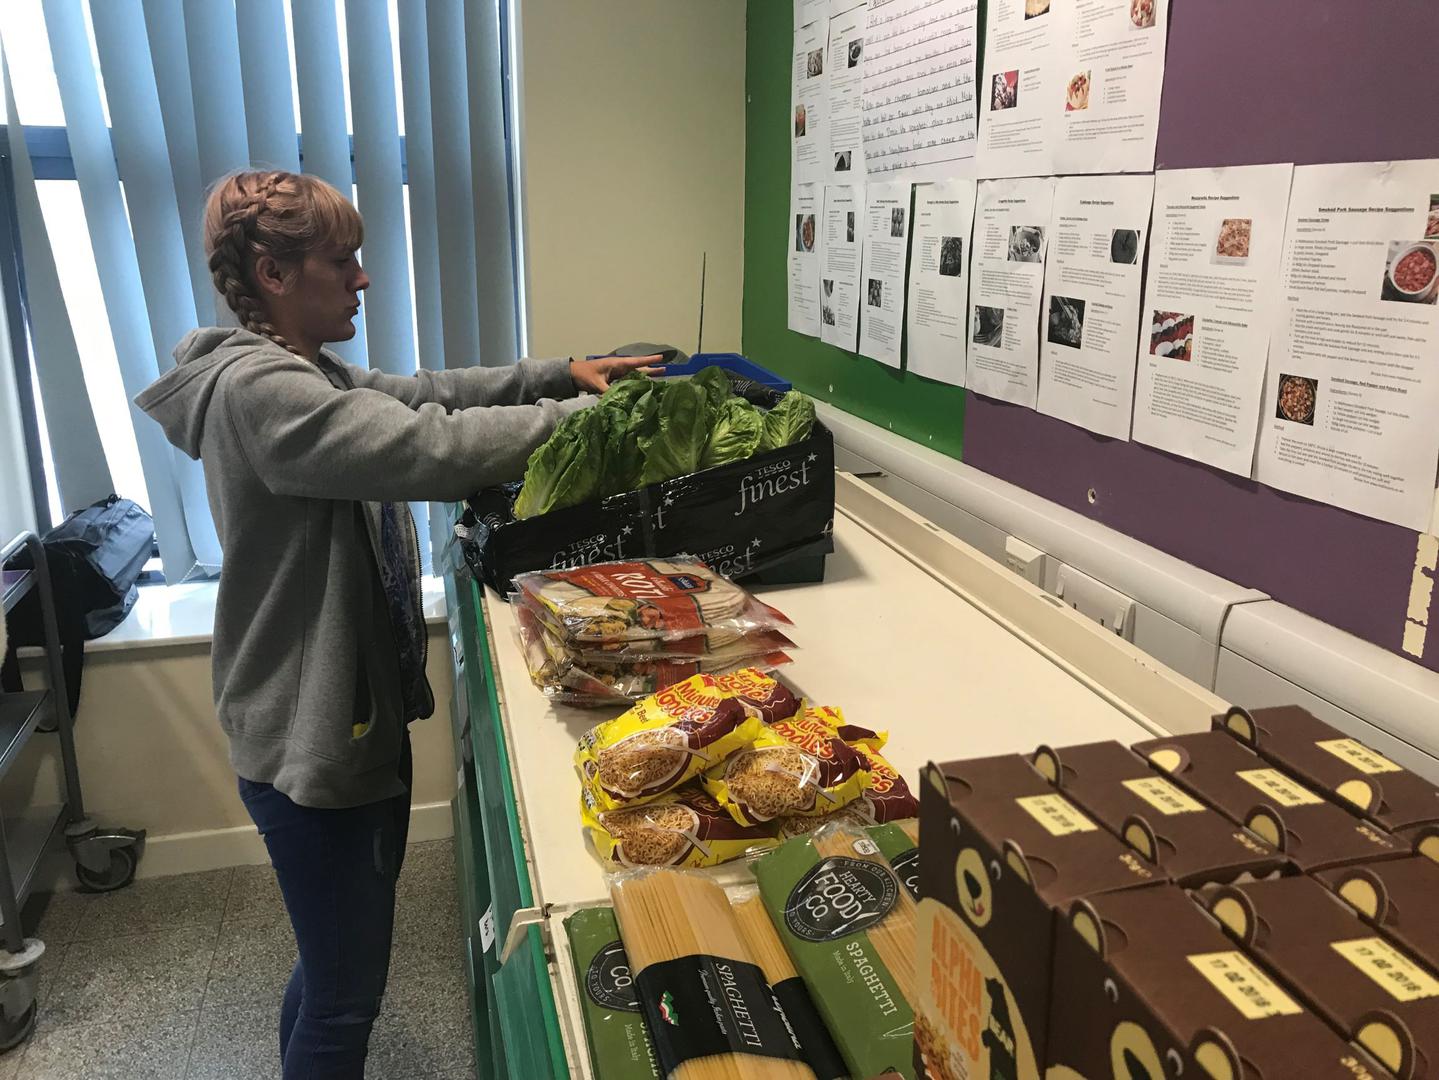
(1247, 82)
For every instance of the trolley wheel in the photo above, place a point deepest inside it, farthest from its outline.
(117, 875)
(14, 1031)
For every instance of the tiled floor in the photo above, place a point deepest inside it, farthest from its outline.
(181, 977)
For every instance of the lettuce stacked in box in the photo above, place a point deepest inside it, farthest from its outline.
(643, 431)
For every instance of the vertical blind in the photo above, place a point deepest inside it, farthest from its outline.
(199, 88)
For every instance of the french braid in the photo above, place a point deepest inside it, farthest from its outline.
(274, 213)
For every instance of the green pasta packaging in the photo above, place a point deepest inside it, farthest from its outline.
(620, 1047)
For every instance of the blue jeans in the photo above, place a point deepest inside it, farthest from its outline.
(337, 870)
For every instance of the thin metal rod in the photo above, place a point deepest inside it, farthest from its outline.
(700, 343)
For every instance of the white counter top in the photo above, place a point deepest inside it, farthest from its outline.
(881, 639)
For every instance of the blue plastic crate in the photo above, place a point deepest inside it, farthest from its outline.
(730, 362)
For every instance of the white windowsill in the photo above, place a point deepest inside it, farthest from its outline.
(169, 615)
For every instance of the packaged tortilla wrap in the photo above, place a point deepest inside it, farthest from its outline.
(797, 766)
(616, 679)
(614, 604)
(674, 735)
(684, 828)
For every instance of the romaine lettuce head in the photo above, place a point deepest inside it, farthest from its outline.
(788, 422)
(569, 467)
(671, 447)
(735, 436)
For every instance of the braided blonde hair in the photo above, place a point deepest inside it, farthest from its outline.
(281, 214)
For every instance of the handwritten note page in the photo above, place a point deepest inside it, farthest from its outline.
(919, 72)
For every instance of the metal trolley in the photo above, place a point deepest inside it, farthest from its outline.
(104, 859)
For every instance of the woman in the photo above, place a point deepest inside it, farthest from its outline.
(319, 644)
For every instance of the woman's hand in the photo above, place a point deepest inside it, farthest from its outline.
(595, 375)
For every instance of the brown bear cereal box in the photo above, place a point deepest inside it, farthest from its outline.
(1146, 985)
(1193, 845)
(1342, 768)
(1314, 833)
(1002, 852)
(1367, 988)
(1400, 897)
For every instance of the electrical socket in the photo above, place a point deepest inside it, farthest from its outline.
(1095, 600)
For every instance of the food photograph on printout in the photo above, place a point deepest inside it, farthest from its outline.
(826, 301)
(849, 227)
(1035, 8)
(816, 63)
(1124, 246)
(988, 325)
(951, 256)
(1410, 273)
(842, 160)
(804, 232)
(856, 52)
(1231, 245)
(1141, 13)
(1004, 91)
(896, 222)
(1076, 96)
(1431, 228)
(1066, 321)
(1171, 334)
(799, 121)
(876, 293)
(1297, 395)
(1026, 244)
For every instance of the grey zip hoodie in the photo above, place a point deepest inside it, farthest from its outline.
(297, 457)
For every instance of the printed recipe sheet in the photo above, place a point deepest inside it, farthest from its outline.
(886, 242)
(845, 85)
(1011, 232)
(1209, 305)
(804, 258)
(1091, 300)
(809, 140)
(1109, 68)
(919, 72)
(1351, 413)
(1017, 98)
(843, 240)
(939, 279)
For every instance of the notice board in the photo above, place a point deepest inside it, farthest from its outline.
(1301, 81)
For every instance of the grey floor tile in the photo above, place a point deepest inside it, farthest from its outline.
(253, 961)
(255, 894)
(428, 867)
(237, 1042)
(157, 904)
(10, 1062)
(424, 1028)
(153, 1049)
(144, 975)
(54, 917)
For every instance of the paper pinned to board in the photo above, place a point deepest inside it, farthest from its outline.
(842, 241)
(1352, 394)
(1108, 64)
(845, 85)
(886, 245)
(919, 89)
(804, 258)
(1209, 306)
(1011, 237)
(939, 279)
(1018, 98)
(1090, 313)
(809, 140)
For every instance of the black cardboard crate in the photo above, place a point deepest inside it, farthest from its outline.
(769, 518)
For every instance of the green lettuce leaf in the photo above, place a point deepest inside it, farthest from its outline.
(735, 436)
(569, 467)
(716, 385)
(678, 437)
(788, 422)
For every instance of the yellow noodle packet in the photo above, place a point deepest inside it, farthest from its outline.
(683, 828)
(796, 767)
(674, 735)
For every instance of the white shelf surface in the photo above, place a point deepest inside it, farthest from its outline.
(879, 638)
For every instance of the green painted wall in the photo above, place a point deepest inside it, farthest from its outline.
(927, 412)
